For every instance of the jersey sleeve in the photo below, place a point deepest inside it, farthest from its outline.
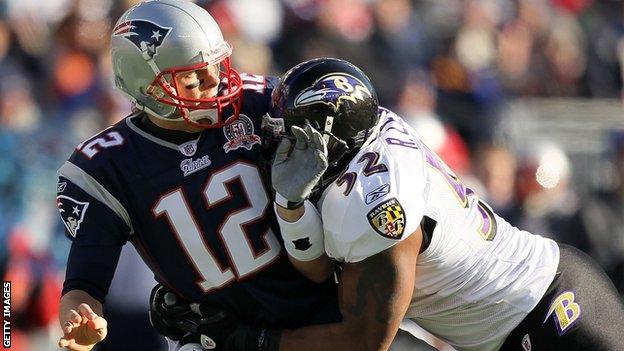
(97, 234)
(258, 88)
(379, 211)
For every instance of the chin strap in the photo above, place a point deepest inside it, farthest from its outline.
(210, 114)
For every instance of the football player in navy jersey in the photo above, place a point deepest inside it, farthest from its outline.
(180, 180)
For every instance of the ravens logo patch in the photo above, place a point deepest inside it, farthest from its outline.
(388, 219)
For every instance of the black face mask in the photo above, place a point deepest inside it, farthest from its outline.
(339, 151)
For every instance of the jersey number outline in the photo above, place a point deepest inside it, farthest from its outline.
(371, 166)
(243, 258)
(91, 148)
(487, 229)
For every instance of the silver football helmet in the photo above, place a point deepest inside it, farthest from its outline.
(153, 41)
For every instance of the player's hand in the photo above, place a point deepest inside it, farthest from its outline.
(180, 320)
(206, 324)
(298, 168)
(82, 329)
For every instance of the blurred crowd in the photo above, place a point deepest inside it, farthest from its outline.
(448, 66)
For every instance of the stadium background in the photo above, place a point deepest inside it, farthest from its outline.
(523, 98)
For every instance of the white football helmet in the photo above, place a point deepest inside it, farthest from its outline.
(155, 40)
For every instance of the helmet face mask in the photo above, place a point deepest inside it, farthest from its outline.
(165, 89)
(334, 97)
(155, 41)
(274, 129)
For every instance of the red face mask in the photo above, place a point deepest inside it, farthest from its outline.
(165, 89)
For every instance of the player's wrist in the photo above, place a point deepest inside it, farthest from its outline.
(303, 238)
(282, 201)
(289, 216)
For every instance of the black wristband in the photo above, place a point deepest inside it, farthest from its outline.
(285, 203)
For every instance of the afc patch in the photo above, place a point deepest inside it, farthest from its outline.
(388, 219)
(72, 212)
(240, 133)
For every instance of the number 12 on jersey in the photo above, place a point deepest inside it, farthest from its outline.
(242, 256)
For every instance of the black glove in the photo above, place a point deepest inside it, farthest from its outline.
(206, 324)
(166, 311)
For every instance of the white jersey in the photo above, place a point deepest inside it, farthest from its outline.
(479, 276)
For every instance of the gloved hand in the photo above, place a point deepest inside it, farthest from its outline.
(296, 170)
(206, 324)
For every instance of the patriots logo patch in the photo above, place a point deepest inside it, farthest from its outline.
(388, 219)
(145, 35)
(72, 212)
(333, 89)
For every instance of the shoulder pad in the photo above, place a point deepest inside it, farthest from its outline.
(376, 203)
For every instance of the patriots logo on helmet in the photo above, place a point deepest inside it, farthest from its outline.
(72, 212)
(145, 35)
(332, 89)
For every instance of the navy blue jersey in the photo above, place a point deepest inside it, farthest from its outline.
(199, 213)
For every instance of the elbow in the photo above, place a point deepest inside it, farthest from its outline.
(371, 338)
(314, 273)
(317, 270)
(369, 342)
(377, 342)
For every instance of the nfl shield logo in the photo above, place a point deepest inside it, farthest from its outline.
(188, 148)
(526, 343)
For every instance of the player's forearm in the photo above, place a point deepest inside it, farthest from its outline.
(374, 295)
(290, 215)
(317, 270)
(302, 230)
(330, 337)
(72, 299)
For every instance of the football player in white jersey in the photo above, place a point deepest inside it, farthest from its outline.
(412, 240)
